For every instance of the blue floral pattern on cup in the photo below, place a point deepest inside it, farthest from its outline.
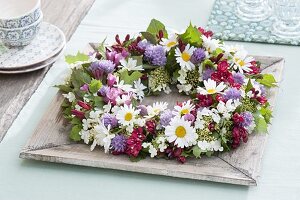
(22, 21)
(20, 36)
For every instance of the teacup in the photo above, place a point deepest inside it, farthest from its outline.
(20, 36)
(19, 13)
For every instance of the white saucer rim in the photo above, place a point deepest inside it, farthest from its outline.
(53, 59)
(44, 59)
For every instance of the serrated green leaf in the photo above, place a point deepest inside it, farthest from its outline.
(129, 79)
(207, 63)
(149, 37)
(155, 26)
(78, 57)
(268, 80)
(95, 85)
(76, 121)
(192, 36)
(261, 124)
(266, 113)
(196, 151)
(79, 77)
(74, 135)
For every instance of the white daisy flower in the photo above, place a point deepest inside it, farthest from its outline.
(211, 87)
(210, 44)
(183, 58)
(139, 89)
(156, 108)
(242, 61)
(70, 96)
(127, 115)
(186, 108)
(130, 65)
(170, 42)
(181, 133)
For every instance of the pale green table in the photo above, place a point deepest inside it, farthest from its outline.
(32, 180)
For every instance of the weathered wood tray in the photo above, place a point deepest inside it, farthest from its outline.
(50, 143)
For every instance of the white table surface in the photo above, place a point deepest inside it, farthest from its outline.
(24, 179)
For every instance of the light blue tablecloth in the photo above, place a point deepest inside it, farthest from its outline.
(23, 179)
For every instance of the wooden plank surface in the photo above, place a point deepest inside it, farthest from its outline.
(50, 143)
(15, 90)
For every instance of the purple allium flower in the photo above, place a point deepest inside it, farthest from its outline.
(143, 110)
(119, 144)
(207, 73)
(165, 118)
(155, 55)
(189, 117)
(103, 90)
(238, 78)
(232, 93)
(84, 87)
(109, 119)
(198, 56)
(248, 119)
(106, 65)
(143, 44)
(96, 71)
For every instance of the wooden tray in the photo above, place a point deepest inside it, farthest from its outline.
(50, 142)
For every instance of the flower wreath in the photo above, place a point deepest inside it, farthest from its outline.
(228, 95)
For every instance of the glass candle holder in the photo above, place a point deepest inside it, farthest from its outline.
(287, 23)
(253, 10)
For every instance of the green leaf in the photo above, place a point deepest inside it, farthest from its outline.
(155, 26)
(98, 102)
(129, 79)
(79, 77)
(208, 63)
(196, 151)
(101, 49)
(209, 153)
(74, 135)
(268, 80)
(261, 124)
(192, 36)
(78, 57)
(64, 88)
(249, 86)
(76, 121)
(147, 66)
(150, 37)
(95, 85)
(139, 60)
(266, 113)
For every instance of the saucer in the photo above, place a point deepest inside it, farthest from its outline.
(49, 41)
(34, 67)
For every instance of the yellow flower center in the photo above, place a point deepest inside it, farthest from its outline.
(211, 91)
(185, 56)
(180, 131)
(184, 111)
(171, 44)
(128, 116)
(242, 63)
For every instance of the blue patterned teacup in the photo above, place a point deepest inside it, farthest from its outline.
(20, 36)
(19, 13)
